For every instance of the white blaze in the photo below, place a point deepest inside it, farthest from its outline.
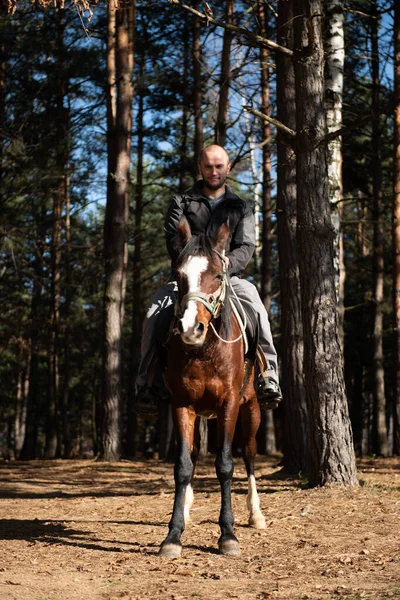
(194, 267)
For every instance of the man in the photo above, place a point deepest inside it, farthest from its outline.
(206, 206)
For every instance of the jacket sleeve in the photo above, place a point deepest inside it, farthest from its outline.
(243, 242)
(174, 214)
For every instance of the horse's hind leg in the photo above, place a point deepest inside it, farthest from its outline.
(227, 543)
(171, 546)
(251, 417)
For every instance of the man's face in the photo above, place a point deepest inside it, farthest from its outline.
(214, 168)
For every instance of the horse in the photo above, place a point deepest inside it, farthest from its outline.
(207, 375)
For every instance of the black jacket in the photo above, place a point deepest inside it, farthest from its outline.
(196, 208)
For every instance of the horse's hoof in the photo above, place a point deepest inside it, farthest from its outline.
(230, 547)
(257, 521)
(170, 550)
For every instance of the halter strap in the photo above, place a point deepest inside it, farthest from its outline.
(212, 302)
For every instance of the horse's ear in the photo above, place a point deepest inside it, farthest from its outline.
(222, 236)
(184, 231)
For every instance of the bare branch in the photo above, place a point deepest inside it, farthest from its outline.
(277, 124)
(256, 40)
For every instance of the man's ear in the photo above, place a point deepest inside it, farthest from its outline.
(221, 237)
(184, 231)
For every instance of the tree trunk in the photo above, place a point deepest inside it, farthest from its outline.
(203, 432)
(334, 71)
(380, 429)
(115, 225)
(53, 441)
(362, 247)
(266, 235)
(183, 147)
(3, 66)
(296, 445)
(266, 210)
(197, 91)
(28, 451)
(111, 102)
(137, 315)
(66, 430)
(332, 458)
(223, 102)
(24, 362)
(396, 233)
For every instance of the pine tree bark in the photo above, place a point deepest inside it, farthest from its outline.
(65, 396)
(223, 102)
(296, 445)
(197, 91)
(334, 74)
(115, 225)
(396, 233)
(28, 451)
(3, 68)
(53, 441)
(332, 459)
(24, 361)
(266, 210)
(266, 233)
(380, 430)
(137, 315)
(183, 147)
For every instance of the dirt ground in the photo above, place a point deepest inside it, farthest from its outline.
(90, 530)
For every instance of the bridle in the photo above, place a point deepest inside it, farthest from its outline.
(213, 302)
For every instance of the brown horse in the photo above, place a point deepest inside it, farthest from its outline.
(207, 375)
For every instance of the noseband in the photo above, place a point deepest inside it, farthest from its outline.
(213, 302)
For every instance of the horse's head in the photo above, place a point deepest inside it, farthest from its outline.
(202, 281)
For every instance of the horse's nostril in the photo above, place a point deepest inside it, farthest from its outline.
(200, 327)
(180, 326)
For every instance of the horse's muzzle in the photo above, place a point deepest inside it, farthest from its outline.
(193, 336)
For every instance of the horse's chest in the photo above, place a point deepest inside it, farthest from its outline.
(204, 379)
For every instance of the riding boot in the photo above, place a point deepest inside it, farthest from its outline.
(268, 392)
(148, 399)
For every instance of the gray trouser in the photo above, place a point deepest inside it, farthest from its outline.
(165, 296)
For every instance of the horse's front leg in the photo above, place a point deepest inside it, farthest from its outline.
(184, 424)
(227, 417)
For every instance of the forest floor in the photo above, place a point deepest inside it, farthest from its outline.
(89, 530)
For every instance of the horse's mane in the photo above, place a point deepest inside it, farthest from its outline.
(200, 245)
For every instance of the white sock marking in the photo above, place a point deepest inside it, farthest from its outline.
(188, 503)
(256, 518)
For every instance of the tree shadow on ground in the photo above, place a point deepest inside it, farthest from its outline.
(84, 479)
(58, 533)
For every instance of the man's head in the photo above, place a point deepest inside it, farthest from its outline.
(214, 167)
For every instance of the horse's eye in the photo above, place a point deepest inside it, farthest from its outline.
(219, 276)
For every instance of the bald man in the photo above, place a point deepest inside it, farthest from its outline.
(206, 206)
